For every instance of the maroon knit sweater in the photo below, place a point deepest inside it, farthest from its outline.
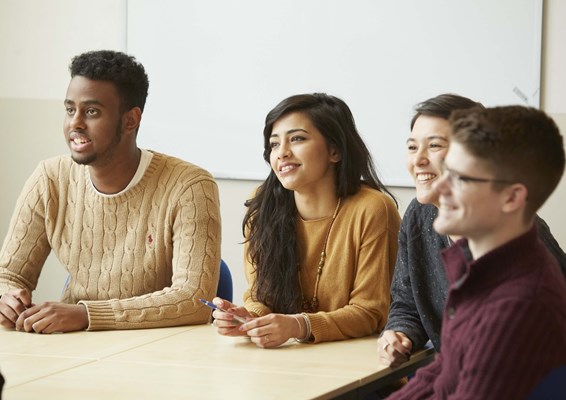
(504, 324)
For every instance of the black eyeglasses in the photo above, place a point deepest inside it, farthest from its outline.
(455, 179)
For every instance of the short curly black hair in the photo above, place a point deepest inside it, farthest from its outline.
(124, 71)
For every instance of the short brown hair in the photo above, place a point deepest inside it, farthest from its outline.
(522, 144)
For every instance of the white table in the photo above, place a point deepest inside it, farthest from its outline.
(187, 362)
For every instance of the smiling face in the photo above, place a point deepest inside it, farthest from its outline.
(426, 149)
(93, 123)
(300, 157)
(468, 207)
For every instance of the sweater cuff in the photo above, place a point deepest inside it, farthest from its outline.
(100, 315)
(257, 309)
(416, 338)
(319, 330)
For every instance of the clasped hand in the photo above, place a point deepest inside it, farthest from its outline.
(269, 331)
(393, 348)
(17, 311)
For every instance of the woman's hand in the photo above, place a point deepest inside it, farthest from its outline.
(273, 330)
(393, 348)
(224, 319)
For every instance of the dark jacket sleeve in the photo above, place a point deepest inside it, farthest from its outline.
(551, 243)
(403, 313)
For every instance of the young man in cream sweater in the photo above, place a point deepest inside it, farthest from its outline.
(138, 231)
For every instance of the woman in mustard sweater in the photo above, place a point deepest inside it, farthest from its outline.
(321, 232)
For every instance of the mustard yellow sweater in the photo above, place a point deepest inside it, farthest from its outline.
(354, 286)
(140, 259)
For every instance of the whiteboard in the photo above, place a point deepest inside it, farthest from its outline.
(217, 67)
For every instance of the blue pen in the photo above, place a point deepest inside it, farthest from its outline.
(215, 307)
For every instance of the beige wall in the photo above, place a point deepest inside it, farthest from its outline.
(34, 77)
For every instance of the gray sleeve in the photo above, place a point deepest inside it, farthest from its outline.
(551, 243)
(403, 314)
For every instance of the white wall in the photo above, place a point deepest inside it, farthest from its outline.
(37, 40)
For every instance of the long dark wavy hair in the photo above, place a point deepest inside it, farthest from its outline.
(269, 223)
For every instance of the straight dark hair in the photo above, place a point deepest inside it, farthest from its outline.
(441, 106)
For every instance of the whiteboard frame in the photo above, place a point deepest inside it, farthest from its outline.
(216, 121)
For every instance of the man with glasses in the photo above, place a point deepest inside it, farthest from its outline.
(504, 321)
(419, 286)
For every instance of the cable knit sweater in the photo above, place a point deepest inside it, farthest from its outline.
(419, 286)
(354, 286)
(140, 259)
(504, 325)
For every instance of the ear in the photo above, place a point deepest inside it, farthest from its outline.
(515, 197)
(335, 155)
(131, 120)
